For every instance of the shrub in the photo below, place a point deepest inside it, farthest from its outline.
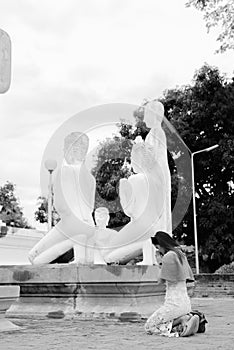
(226, 268)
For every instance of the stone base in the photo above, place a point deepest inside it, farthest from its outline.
(81, 307)
(71, 290)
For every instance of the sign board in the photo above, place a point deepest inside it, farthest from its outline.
(5, 61)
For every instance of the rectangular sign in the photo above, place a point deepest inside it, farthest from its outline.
(5, 61)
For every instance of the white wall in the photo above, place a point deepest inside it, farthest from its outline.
(15, 246)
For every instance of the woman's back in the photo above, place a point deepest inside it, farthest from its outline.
(173, 269)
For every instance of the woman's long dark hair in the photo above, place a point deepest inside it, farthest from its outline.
(168, 243)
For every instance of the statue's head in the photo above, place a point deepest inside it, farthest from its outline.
(76, 146)
(101, 217)
(142, 157)
(153, 114)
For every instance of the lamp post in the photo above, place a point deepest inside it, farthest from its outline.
(50, 165)
(194, 204)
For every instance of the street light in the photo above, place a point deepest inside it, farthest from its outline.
(50, 165)
(194, 204)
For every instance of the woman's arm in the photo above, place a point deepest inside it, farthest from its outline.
(160, 279)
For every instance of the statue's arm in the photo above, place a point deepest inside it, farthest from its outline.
(92, 192)
(127, 199)
(88, 186)
(153, 139)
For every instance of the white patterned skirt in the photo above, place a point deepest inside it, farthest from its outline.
(176, 304)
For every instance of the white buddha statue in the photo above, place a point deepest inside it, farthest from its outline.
(153, 116)
(74, 194)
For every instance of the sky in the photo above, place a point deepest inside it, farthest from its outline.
(68, 56)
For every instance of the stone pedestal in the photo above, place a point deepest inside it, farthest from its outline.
(69, 290)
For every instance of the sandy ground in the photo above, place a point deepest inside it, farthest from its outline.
(105, 334)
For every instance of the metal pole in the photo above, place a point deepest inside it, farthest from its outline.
(50, 201)
(195, 217)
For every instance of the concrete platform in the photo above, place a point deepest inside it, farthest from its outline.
(68, 289)
(65, 290)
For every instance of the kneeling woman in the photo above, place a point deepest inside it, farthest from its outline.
(173, 318)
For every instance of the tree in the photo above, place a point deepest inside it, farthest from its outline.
(202, 113)
(41, 214)
(11, 213)
(218, 13)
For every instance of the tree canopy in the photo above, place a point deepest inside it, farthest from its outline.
(202, 113)
(41, 214)
(218, 13)
(11, 213)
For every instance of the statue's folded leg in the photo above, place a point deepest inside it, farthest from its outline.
(125, 253)
(66, 229)
(53, 252)
(52, 238)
